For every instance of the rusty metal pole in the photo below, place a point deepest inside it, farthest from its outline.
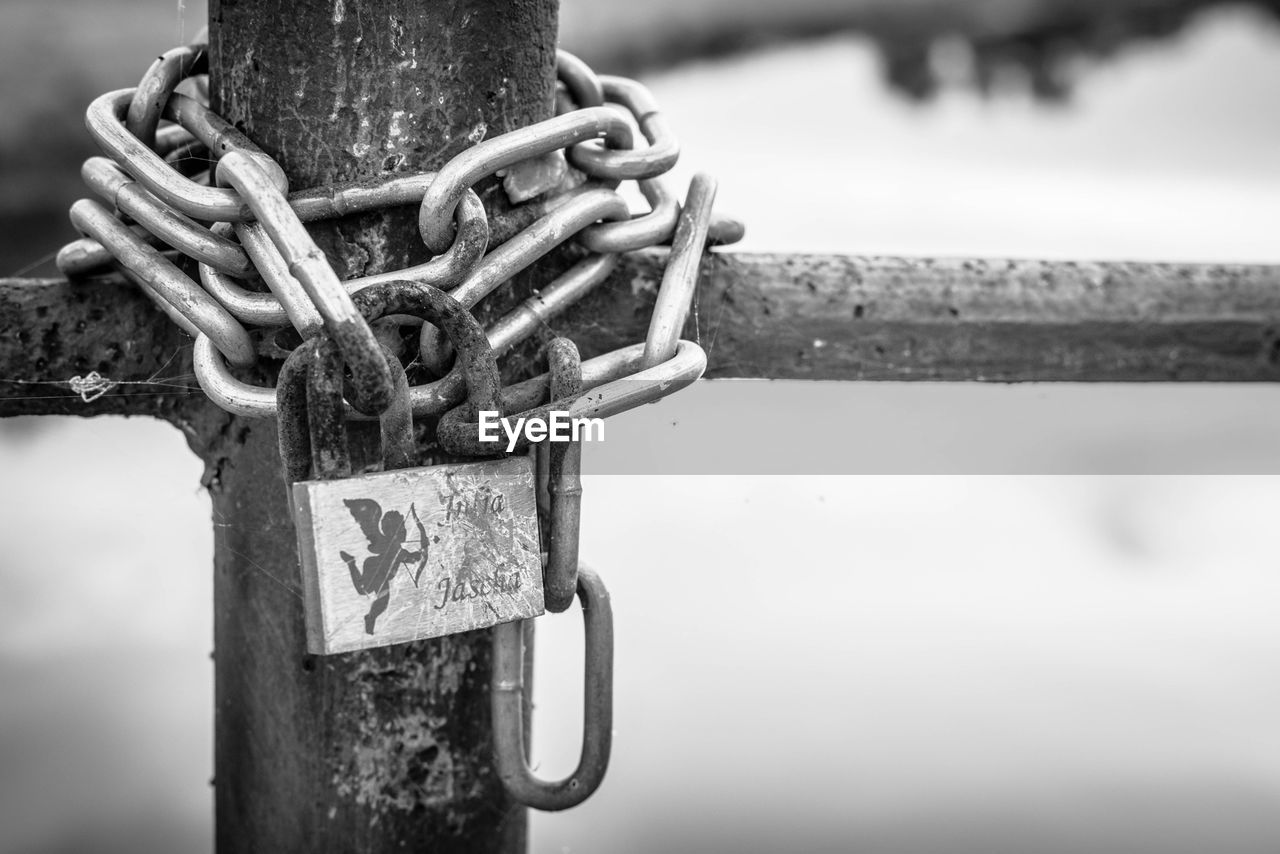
(388, 750)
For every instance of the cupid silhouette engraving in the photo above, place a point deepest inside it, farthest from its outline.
(387, 535)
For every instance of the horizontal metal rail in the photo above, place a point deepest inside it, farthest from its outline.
(809, 317)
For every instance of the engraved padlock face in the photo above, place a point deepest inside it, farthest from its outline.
(418, 553)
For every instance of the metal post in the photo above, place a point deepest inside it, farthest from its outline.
(389, 750)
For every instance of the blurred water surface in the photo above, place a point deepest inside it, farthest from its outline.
(888, 664)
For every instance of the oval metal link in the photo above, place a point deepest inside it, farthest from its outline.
(287, 293)
(105, 121)
(164, 279)
(262, 309)
(437, 397)
(488, 156)
(157, 84)
(662, 152)
(581, 82)
(500, 265)
(508, 704)
(190, 238)
(654, 228)
(538, 310)
(449, 268)
(86, 256)
(637, 232)
(680, 278)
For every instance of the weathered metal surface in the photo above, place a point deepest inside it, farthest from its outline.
(834, 317)
(817, 317)
(418, 553)
(472, 528)
(52, 331)
(387, 750)
(404, 85)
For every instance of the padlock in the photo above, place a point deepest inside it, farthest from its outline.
(406, 553)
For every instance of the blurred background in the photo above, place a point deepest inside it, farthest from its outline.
(1034, 618)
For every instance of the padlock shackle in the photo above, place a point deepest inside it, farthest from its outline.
(293, 424)
(479, 366)
(312, 419)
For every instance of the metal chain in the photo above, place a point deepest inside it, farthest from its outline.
(243, 228)
(259, 272)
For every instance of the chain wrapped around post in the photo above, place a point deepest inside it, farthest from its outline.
(205, 223)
